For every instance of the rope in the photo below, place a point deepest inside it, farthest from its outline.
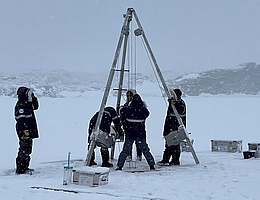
(153, 68)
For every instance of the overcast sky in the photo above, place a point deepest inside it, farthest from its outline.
(81, 35)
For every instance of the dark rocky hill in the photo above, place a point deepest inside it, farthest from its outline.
(245, 79)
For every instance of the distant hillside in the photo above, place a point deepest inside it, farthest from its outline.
(48, 83)
(57, 83)
(242, 80)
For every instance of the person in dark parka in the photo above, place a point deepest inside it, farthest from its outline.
(133, 118)
(26, 127)
(171, 124)
(129, 97)
(109, 115)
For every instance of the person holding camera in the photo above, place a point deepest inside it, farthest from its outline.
(26, 127)
(171, 124)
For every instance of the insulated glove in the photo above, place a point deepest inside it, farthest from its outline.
(172, 101)
(26, 135)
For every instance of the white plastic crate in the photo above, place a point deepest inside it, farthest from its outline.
(91, 176)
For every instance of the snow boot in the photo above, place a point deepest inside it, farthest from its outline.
(92, 160)
(176, 155)
(107, 164)
(175, 162)
(118, 169)
(163, 163)
(29, 171)
(166, 158)
(105, 158)
(20, 166)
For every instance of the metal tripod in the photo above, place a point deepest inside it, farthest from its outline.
(123, 39)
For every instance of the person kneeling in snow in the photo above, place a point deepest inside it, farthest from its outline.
(133, 118)
(26, 127)
(109, 116)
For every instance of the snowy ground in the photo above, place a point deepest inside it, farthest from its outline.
(63, 124)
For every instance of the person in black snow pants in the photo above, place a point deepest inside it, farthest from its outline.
(26, 127)
(109, 115)
(133, 118)
(171, 124)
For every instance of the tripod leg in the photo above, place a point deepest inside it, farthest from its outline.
(90, 152)
(192, 151)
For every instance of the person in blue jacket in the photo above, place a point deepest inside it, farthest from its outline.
(26, 127)
(109, 115)
(133, 117)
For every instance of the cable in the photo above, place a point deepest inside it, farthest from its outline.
(153, 68)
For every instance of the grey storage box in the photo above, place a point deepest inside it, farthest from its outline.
(226, 145)
(254, 146)
(91, 176)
